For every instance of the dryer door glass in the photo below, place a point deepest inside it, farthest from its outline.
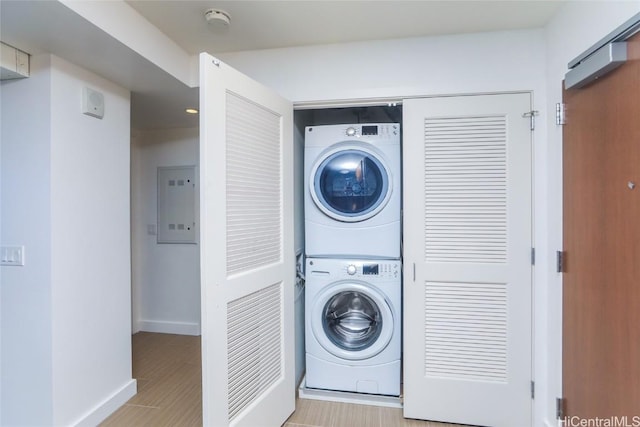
(352, 320)
(351, 185)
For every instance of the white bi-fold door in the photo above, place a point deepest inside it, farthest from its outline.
(246, 250)
(467, 259)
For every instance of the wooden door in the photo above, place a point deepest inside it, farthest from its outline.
(601, 232)
(467, 175)
(246, 250)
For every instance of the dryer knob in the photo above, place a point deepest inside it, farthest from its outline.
(351, 131)
(351, 270)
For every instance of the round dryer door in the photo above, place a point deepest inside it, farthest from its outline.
(352, 321)
(350, 184)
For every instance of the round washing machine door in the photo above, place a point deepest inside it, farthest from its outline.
(352, 320)
(350, 183)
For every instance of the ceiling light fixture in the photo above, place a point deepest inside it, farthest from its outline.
(218, 20)
(191, 111)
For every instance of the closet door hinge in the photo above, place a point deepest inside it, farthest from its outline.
(560, 408)
(532, 117)
(533, 256)
(533, 389)
(560, 261)
(560, 114)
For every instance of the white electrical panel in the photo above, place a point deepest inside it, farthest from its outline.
(177, 204)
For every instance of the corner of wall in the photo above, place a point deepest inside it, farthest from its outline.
(125, 24)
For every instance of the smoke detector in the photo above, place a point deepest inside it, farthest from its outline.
(218, 20)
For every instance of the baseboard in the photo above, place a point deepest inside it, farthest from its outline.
(179, 328)
(109, 406)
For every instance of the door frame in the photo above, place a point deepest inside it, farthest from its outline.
(541, 283)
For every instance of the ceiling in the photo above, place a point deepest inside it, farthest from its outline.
(275, 24)
(158, 100)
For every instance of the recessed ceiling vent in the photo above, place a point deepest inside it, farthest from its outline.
(14, 63)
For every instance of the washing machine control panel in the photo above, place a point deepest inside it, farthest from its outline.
(385, 270)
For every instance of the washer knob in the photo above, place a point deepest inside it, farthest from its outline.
(351, 270)
(351, 131)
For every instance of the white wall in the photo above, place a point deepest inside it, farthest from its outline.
(90, 219)
(499, 61)
(25, 296)
(576, 27)
(166, 277)
(126, 25)
(66, 349)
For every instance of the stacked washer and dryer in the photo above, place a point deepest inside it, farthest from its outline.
(353, 268)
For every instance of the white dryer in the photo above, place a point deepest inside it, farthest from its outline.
(353, 325)
(352, 190)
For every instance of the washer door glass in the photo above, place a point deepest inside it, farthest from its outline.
(352, 320)
(351, 185)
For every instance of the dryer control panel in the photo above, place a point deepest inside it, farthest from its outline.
(382, 130)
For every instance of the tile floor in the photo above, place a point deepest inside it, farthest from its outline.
(168, 370)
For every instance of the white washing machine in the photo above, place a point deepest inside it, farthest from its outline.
(353, 325)
(352, 191)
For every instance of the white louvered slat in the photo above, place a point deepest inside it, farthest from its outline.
(465, 189)
(254, 199)
(466, 331)
(254, 336)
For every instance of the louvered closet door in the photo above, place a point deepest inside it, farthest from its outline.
(246, 250)
(467, 259)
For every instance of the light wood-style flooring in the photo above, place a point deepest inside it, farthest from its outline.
(168, 370)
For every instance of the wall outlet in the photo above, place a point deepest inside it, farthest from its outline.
(12, 255)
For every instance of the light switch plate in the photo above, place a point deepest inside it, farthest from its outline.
(12, 255)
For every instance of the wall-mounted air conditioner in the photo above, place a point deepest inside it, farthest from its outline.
(14, 63)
